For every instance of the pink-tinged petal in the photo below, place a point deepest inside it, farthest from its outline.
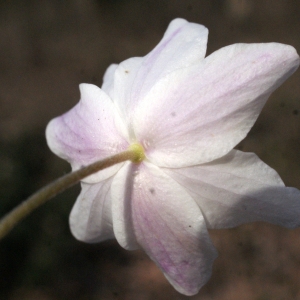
(108, 80)
(125, 75)
(121, 190)
(90, 131)
(168, 225)
(198, 114)
(182, 45)
(239, 188)
(91, 216)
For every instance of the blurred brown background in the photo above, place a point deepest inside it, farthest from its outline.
(46, 49)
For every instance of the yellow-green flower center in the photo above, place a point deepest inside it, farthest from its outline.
(138, 151)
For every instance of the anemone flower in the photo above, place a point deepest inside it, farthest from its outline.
(185, 113)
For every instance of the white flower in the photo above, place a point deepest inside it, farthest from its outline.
(187, 112)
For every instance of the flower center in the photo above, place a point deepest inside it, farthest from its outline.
(138, 151)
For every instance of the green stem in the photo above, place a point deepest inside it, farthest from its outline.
(9, 221)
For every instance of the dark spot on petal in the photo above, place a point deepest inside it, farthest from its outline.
(190, 226)
(152, 191)
(126, 71)
(173, 114)
(185, 262)
(295, 112)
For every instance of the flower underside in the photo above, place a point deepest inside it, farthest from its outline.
(189, 112)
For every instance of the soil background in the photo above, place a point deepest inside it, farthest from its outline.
(46, 49)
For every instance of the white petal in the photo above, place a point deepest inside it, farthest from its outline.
(200, 113)
(122, 186)
(91, 216)
(125, 76)
(183, 44)
(108, 80)
(239, 188)
(90, 131)
(169, 226)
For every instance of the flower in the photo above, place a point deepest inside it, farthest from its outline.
(185, 113)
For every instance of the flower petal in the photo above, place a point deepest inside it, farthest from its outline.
(91, 216)
(169, 225)
(183, 44)
(198, 114)
(108, 80)
(122, 187)
(239, 188)
(90, 131)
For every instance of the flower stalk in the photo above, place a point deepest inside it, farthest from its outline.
(9, 221)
